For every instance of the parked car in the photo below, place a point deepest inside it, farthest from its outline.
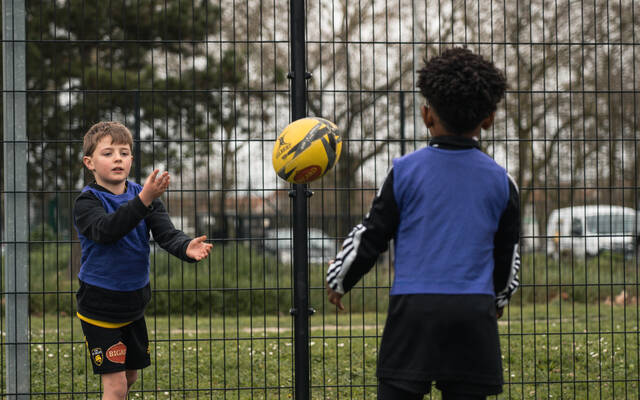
(588, 230)
(321, 247)
(530, 239)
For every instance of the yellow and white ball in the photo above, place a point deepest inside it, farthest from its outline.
(306, 149)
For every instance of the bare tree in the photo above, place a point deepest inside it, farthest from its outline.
(359, 66)
(566, 130)
(568, 103)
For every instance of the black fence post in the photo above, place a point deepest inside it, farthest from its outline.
(137, 145)
(403, 142)
(299, 194)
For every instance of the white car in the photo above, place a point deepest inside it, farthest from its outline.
(321, 248)
(588, 230)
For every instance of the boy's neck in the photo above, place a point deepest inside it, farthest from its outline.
(475, 134)
(437, 128)
(118, 188)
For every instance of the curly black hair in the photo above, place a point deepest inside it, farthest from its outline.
(462, 87)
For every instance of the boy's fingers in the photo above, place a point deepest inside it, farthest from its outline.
(161, 180)
(337, 301)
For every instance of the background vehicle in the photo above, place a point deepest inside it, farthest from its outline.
(321, 247)
(588, 230)
(530, 239)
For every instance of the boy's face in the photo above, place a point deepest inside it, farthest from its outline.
(110, 163)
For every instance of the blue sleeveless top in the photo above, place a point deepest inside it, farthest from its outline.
(450, 203)
(124, 264)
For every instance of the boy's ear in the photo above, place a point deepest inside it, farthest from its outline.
(88, 162)
(427, 116)
(487, 122)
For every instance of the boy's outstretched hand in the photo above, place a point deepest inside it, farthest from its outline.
(333, 296)
(154, 186)
(198, 249)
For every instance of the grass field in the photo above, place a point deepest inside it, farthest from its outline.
(556, 350)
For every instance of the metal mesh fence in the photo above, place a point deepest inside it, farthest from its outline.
(204, 88)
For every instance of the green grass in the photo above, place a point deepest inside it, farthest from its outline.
(560, 349)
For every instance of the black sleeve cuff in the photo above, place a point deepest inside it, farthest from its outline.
(139, 208)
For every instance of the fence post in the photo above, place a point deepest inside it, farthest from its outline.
(299, 194)
(137, 148)
(403, 141)
(16, 271)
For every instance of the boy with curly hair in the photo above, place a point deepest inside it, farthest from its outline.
(113, 217)
(454, 216)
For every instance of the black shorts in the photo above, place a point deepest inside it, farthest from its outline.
(450, 339)
(117, 349)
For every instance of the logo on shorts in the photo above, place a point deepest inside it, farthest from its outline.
(96, 356)
(117, 353)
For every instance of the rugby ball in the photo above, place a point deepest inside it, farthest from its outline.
(306, 149)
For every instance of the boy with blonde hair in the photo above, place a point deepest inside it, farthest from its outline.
(113, 217)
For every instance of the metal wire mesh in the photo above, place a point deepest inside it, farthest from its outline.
(203, 86)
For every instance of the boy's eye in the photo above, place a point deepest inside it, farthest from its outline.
(107, 154)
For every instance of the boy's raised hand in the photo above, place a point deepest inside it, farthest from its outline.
(154, 186)
(198, 249)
